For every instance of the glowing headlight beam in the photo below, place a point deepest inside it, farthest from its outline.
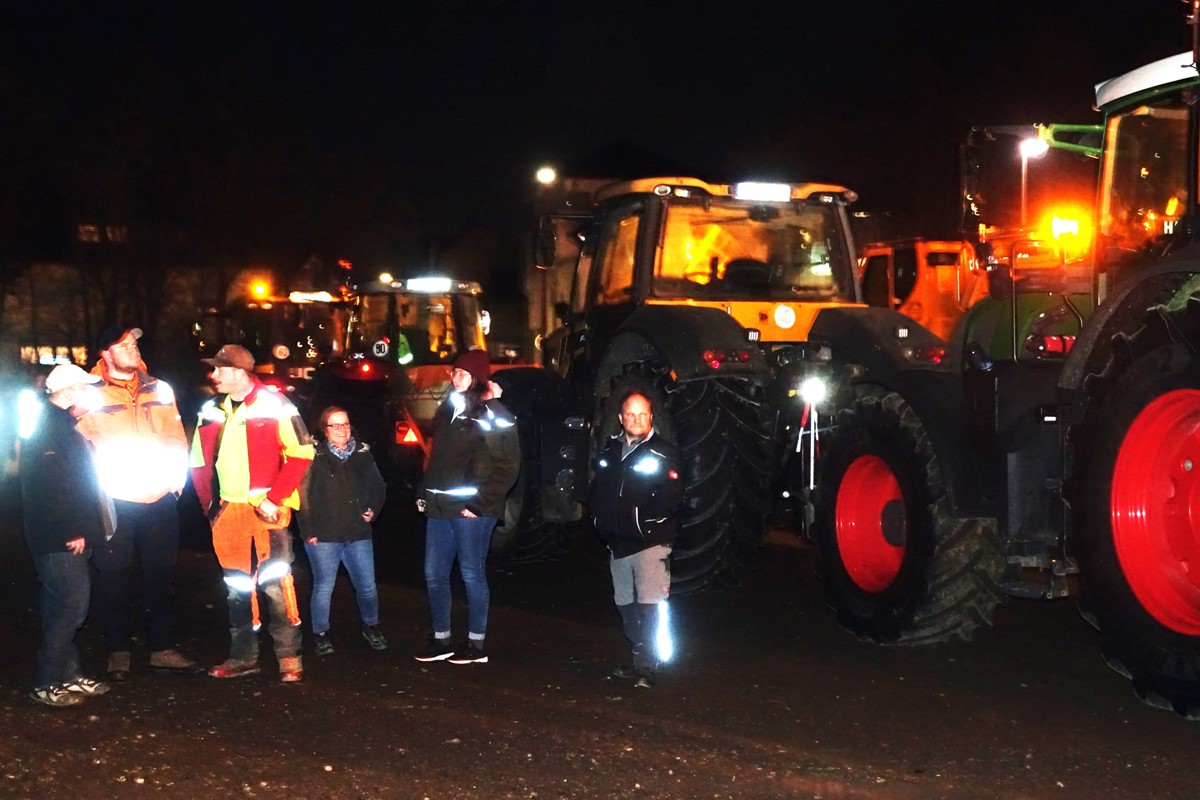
(813, 391)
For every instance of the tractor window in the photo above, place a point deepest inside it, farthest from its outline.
(1145, 178)
(906, 272)
(406, 327)
(715, 248)
(618, 248)
(875, 282)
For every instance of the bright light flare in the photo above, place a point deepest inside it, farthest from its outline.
(546, 175)
(663, 642)
(763, 192)
(1033, 148)
(813, 390)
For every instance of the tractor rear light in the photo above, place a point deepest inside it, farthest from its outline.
(928, 353)
(406, 434)
(1049, 346)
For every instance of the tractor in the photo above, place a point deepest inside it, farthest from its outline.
(703, 296)
(1035, 456)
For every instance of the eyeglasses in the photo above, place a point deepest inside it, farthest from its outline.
(338, 425)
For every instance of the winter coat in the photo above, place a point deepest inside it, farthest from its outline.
(475, 461)
(268, 429)
(335, 493)
(634, 500)
(59, 488)
(141, 447)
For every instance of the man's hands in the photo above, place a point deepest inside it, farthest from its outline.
(77, 546)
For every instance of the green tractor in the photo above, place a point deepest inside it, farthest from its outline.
(1057, 435)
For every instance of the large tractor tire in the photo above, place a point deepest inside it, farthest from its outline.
(899, 567)
(1137, 500)
(721, 428)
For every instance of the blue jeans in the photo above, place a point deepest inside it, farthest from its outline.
(469, 540)
(153, 530)
(63, 605)
(359, 557)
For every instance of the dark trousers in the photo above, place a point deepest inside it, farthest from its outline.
(152, 529)
(63, 605)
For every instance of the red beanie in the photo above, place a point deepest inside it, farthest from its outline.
(477, 363)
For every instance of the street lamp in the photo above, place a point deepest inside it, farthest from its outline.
(1030, 148)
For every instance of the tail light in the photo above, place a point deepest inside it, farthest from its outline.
(407, 435)
(715, 358)
(1049, 346)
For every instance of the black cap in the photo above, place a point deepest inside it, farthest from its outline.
(113, 334)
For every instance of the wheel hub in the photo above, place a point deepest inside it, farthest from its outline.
(871, 523)
(1155, 509)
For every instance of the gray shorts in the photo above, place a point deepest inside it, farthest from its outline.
(643, 577)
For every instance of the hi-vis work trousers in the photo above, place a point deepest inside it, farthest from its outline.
(257, 555)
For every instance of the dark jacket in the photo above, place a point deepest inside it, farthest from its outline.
(634, 500)
(335, 493)
(59, 488)
(475, 461)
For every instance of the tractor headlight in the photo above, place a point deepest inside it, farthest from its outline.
(813, 390)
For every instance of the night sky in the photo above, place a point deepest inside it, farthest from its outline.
(380, 132)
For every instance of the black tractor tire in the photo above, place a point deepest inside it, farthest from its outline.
(1136, 452)
(899, 566)
(721, 428)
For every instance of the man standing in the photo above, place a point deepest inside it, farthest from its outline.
(249, 454)
(141, 455)
(634, 498)
(65, 518)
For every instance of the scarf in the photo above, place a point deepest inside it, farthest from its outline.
(342, 452)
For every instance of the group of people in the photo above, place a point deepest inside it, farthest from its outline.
(108, 458)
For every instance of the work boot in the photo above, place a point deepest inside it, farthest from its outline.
(174, 662)
(118, 666)
(291, 670)
(232, 668)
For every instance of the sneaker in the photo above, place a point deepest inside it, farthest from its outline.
(469, 653)
(291, 669)
(645, 680)
(435, 650)
(174, 662)
(118, 666)
(232, 668)
(56, 696)
(374, 637)
(625, 672)
(322, 644)
(86, 686)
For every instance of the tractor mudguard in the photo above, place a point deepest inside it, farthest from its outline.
(680, 335)
(868, 337)
(1124, 310)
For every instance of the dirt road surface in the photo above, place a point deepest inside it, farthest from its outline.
(765, 698)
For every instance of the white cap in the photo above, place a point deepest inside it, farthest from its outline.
(66, 375)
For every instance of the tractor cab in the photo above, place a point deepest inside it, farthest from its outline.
(394, 369)
(769, 256)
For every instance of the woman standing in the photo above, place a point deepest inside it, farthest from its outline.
(339, 497)
(474, 463)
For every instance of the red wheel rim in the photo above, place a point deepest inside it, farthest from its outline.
(868, 488)
(1156, 509)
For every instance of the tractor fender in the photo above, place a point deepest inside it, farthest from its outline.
(679, 336)
(1168, 283)
(867, 337)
